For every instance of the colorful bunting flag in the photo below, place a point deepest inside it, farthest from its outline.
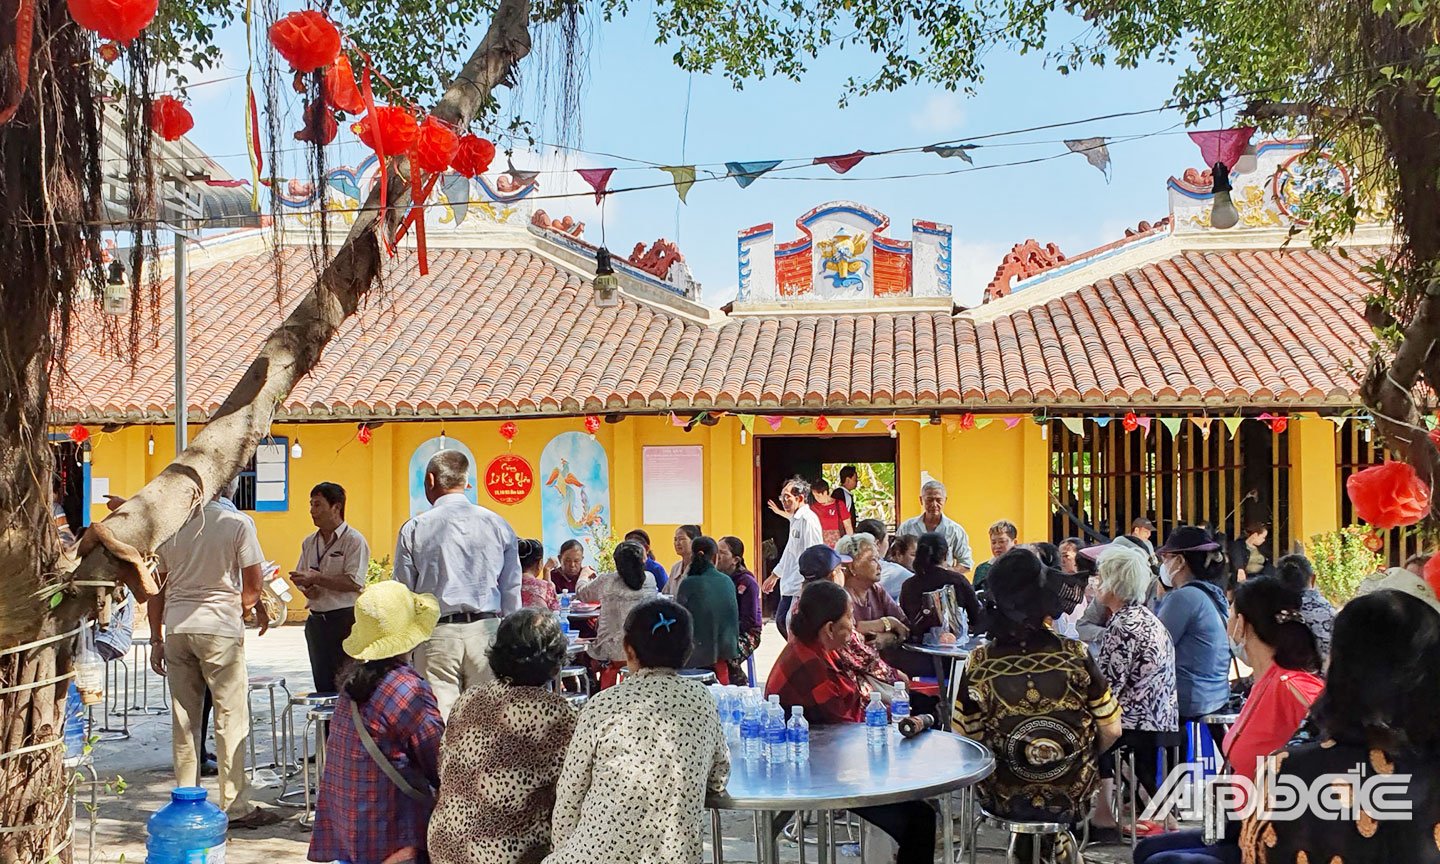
(675, 421)
(861, 424)
(889, 425)
(746, 173)
(1204, 424)
(841, 164)
(1144, 424)
(1339, 421)
(518, 177)
(1223, 145)
(747, 422)
(683, 177)
(952, 424)
(803, 421)
(1012, 422)
(1095, 152)
(959, 151)
(774, 420)
(982, 422)
(1102, 422)
(1074, 424)
(1171, 424)
(1431, 421)
(598, 178)
(1232, 423)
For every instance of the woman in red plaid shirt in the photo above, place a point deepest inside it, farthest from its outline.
(807, 674)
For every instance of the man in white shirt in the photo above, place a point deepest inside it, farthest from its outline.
(333, 564)
(210, 573)
(469, 558)
(933, 518)
(804, 533)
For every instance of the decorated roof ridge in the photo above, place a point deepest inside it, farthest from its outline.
(1029, 259)
(659, 267)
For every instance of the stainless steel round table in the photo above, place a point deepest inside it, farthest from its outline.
(945, 657)
(844, 773)
(583, 614)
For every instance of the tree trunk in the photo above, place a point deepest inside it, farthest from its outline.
(32, 782)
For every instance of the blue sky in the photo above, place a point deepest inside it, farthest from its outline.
(635, 105)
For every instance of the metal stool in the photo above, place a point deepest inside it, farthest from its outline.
(300, 763)
(579, 675)
(577, 700)
(704, 676)
(117, 691)
(1166, 757)
(319, 719)
(140, 653)
(268, 683)
(1037, 830)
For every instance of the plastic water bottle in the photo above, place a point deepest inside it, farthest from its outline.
(777, 742)
(74, 724)
(564, 602)
(188, 830)
(900, 703)
(565, 626)
(877, 722)
(799, 735)
(751, 729)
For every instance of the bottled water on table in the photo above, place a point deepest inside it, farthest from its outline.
(799, 735)
(877, 721)
(900, 703)
(777, 743)
(751, 729)
(564, 602)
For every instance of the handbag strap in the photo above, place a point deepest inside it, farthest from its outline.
(384, 764)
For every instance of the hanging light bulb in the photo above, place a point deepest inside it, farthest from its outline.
(117, 291)
(1222, 211)
(743, 437)
(150, 446)
(607, 284)
(295, 450)
(1044, 431)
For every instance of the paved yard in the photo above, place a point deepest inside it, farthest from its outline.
(144, 762)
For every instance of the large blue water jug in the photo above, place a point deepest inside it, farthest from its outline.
(188, 830)
(74, 724)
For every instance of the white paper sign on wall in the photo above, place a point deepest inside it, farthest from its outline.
(674, 488)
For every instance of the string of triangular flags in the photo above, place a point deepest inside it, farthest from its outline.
(1223, 145)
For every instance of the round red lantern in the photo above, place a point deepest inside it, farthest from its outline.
(435, 146)
(508, 430)
(169, 118)
(509, 479)
(1130, 422)
(592, 424)
(109, 52)
(307, 40)
(389, 130)
(340, 87)
(326, 128)
(1279, 424)
(1389, 495)
(473, 156)
(365, 434)
(79, 434)
(117, 20)
(967, 421)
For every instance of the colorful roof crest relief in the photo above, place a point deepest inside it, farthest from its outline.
(1276, 184)
(842, 253)
(454, 199)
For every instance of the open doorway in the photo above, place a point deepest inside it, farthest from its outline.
(68, 485)
(777, 459)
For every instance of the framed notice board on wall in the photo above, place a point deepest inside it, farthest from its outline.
(674, 485)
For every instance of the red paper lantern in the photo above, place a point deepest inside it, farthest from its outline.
(435, 146)
(967, 421)
(79, 434)
(109, 52)
(396, 130)
(1279, 424)
(822, 423)
(592, 424)
(340, 87)
(169, 118)
(1130, 422)
(306, 39)
(1389, 495)
(116, 20)
(508, 430)
(327, 129)
(473, 156)
(364, 434)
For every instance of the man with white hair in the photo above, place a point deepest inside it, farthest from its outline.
(210, 572)
(933, 519)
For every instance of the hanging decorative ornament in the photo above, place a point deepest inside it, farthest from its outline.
(169, 118)
(592, 424)
(318, 130)
(1388, 495)
(364, 435)
(1279, 424)
(109, 52)
(967, 421)
(822, 423)
(79, 434)
(1130, 422)
(1374, 541)
(306, 39)
(473, 156)
(1223, 145)
(435, 145)
(116, 20)
(389, 130)
(340, 89)
(508, 430)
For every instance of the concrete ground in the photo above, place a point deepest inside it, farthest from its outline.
(143, 761)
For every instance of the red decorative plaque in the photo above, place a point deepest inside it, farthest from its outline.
(509, 478)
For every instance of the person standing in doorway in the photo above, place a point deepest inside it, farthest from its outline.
(469, 558)
(845, 485)
(331, 574)
(210, 572)
(933, 519)
(835, 521)
(804, 533)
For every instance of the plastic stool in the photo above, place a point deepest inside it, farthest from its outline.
(268, 683)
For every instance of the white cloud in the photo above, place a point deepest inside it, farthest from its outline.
(942, 112)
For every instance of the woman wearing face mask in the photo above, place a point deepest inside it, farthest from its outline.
(1270, 635)
(1193, 573)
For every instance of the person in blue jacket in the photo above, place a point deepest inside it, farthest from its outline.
(655, 568)
(1194, 568)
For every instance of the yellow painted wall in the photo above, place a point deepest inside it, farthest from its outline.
(992, 473)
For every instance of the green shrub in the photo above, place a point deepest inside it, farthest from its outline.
(1342, 561)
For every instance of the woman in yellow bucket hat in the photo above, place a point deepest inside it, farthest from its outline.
(382, 757)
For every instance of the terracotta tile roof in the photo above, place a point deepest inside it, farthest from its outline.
(507, 332)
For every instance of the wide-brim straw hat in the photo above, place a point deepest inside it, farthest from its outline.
(390, 620)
